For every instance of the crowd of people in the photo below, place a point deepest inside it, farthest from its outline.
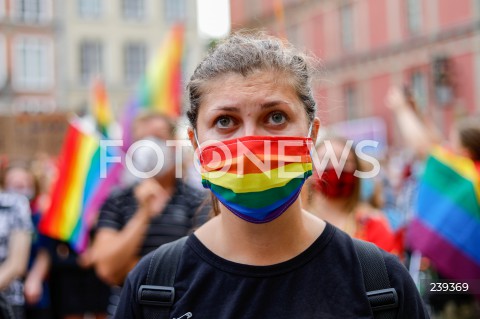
(259, 245)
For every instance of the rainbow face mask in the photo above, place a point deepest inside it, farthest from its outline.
(257, 177)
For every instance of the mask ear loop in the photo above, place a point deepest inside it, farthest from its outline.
(313, 146)
(196, 139)
(199, 148)
(310, 130)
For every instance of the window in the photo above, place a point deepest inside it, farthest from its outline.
(33, 105)
(351, 106)
(346, 27)
(2, 8)
(289, 2)
(135, 60)
(292, 34)
(89, 8)
(296, 35)
(253, 8)
(442, 80)
(419, 89)
(414, 16)
(175, 11)
(133, 9)
(32, 64)
(31, 11)
(3, 62)
(91, 60)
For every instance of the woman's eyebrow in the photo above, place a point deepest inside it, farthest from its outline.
(236, 109)
(273, 104)
(227, 108)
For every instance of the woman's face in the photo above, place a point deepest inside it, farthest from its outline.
(20, 181)
(339, 151)
(259, 104)
(456, 144)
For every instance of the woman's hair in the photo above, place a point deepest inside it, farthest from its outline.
(244, 54)
(469, 134)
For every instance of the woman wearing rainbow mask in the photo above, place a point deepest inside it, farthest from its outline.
(252, 116)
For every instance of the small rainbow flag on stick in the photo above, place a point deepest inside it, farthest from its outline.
(446, 228)
(101, 108)
(79, 190)
(160, 90)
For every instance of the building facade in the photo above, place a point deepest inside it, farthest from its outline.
(366, 46)
(27, 55)
(115, 40)
(52, 50)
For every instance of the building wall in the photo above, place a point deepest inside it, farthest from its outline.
(377, 23)
(114, 32)
(387, 49)
(16, 95)
(451, 13)
(66, 29)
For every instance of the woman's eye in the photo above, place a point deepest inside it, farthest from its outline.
(277, 118)
(224, 122)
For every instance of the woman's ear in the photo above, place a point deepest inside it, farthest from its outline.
(315, 128)
(191, 137)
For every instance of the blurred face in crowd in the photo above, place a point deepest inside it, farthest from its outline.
(262, 103)
(456, 144)
(20, 181)
(338, 149)
(459, 147)
(155, 126)
(157, 130)
(344, 186)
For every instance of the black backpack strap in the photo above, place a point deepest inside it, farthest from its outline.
(158, 294)
(6, 311)
(382, 297)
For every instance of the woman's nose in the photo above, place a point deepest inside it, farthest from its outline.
(252, 129)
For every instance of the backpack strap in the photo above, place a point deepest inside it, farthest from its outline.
(6, 310)
(382, 297)
(158, 294)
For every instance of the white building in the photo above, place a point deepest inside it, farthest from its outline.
(27, 55)
(50, 50)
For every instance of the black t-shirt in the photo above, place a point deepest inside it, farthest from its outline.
(324, 281)
(186, 209)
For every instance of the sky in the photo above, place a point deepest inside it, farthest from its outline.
(213, 18)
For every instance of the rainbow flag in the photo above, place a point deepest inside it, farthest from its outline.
(160, 90)
(101, 107)
(79, 190)
(446, 228)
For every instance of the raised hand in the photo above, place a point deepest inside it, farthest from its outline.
(152, 197)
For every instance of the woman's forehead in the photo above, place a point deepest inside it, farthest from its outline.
(233, 88)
